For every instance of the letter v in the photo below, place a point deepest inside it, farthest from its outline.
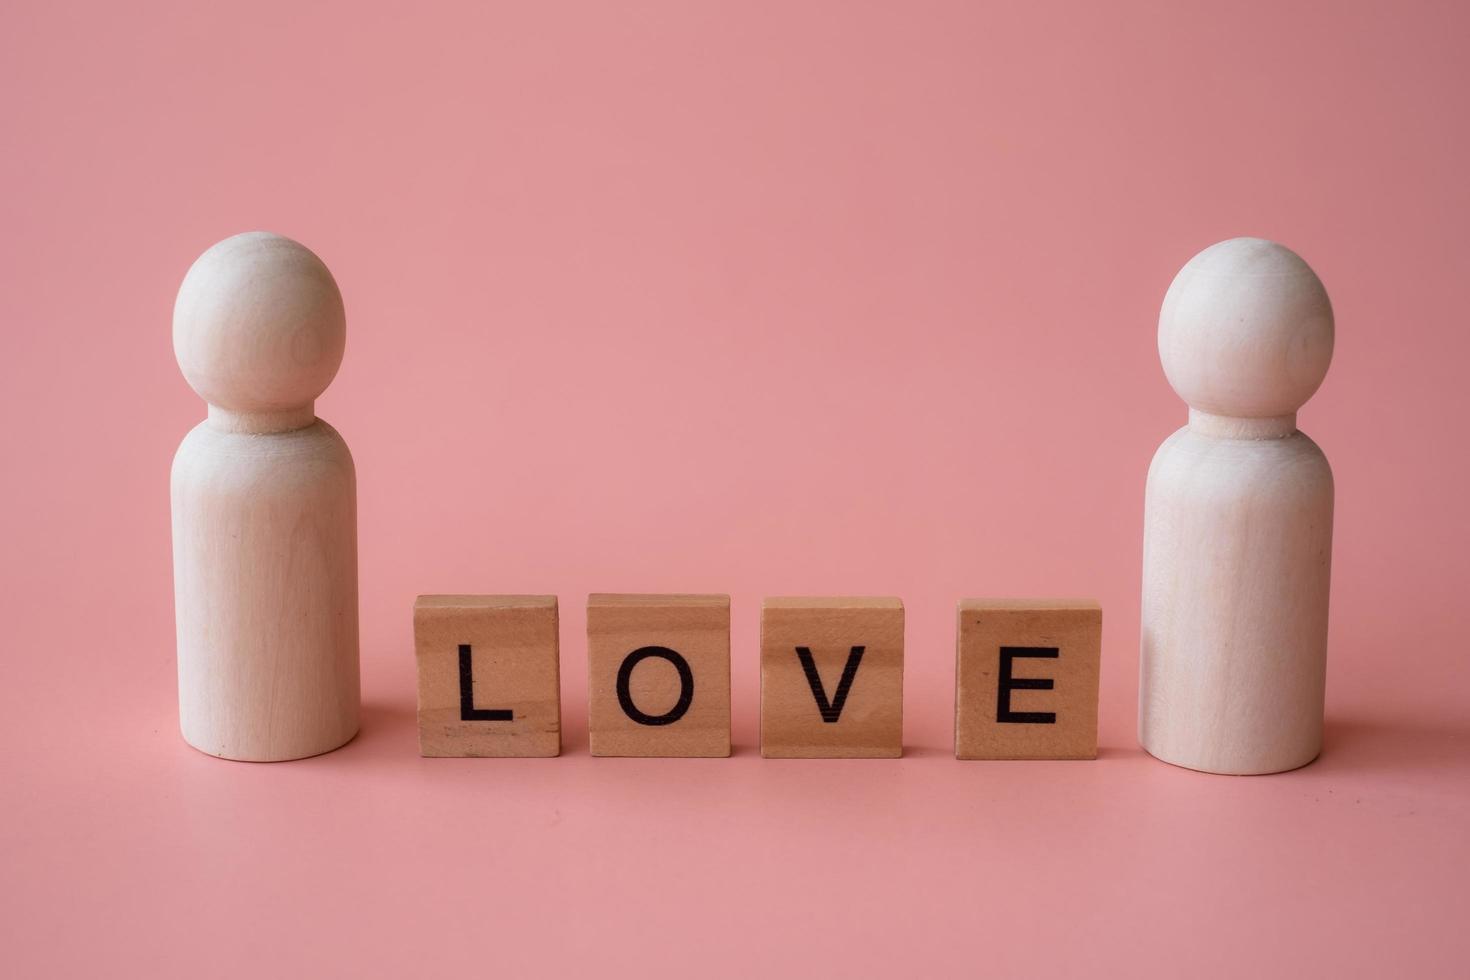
(831, 710)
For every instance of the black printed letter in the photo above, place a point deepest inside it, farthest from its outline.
(467, 709)
(686, 685)
(1008, 684)
(831, 710)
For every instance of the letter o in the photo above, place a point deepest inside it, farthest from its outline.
(686, 685)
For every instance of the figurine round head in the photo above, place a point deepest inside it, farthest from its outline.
(259, 325)
(1246, 330)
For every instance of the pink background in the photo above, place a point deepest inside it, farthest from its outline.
(757, 299)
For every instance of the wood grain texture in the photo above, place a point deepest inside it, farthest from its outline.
(1238, 517)
(264, 509)
(1030, 641)
(818, 718)
(265, 586)
(513, 676)
(1237, 562)
(659, 675)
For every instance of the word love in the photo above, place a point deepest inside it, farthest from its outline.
(489, 677)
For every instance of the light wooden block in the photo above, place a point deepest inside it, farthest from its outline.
(659, 675)
(831, 678)
(1026, 678)
(489, 675)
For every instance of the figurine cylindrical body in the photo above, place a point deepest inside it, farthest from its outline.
(1237, 556)
(265, 582)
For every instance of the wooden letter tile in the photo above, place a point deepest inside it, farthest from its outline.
(489, 676)
(831, 678)
(1026, 678)
(659, 675)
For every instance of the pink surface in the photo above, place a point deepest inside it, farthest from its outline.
(763, 300)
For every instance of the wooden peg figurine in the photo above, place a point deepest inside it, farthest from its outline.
(1238, 519)
(264, 509)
